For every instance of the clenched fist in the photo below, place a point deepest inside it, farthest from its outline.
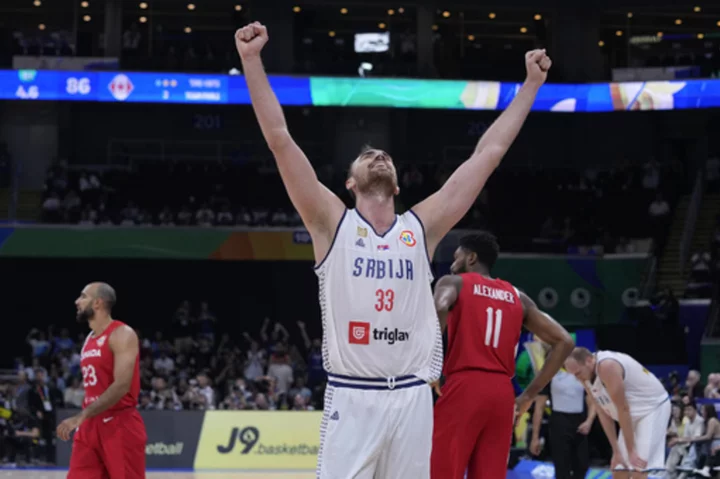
(537, 64)
(250, 40)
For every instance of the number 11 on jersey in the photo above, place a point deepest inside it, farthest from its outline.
(492, 331)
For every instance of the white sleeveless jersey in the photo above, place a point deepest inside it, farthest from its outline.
(378, 312)
(644, 392)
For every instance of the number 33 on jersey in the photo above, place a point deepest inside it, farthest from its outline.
(379, 318)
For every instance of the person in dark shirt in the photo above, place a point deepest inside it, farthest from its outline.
(695, 388)
(23, 432)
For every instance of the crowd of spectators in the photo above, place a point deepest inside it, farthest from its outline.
(693, 436)
(196, 367)
(558, 210)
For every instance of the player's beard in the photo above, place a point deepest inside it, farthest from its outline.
(85, 315)
(378, 181)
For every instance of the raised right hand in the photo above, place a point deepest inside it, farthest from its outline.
(250, 40)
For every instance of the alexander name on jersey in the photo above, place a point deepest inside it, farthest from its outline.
(493, 293)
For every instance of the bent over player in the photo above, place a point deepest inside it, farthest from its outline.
(484, 317)
(628, 393)
(110, 438)
(381, 339)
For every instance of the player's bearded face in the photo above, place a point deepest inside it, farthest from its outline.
(375, 173)
(85, 313)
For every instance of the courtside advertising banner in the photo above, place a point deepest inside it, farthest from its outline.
(172, 438)
(260, 440)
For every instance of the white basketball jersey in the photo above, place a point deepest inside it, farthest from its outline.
(378, 312)
(643, 391)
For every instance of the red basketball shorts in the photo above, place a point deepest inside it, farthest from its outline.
(109, 446)
(473, 426)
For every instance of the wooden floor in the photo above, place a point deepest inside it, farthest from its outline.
(55, 474)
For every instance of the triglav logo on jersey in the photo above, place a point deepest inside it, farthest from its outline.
(360, 243)
(121, 87)
(359, 333)
(408, 238)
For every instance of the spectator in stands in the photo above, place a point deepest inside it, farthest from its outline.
(682, 453)
(256, 361)
(712, 390)
(39, 343)
(74, 394)
(695, 388)
(711, 434)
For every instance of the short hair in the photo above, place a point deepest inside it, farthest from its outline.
(692, 404)
(106, 292)
(484, 245)
(364, 149)
(580, 354)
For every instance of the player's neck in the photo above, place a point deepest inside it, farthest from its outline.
(99, 324)
(481, 272)
(378, 210)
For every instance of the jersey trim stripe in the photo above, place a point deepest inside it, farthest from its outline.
(370, 380)
(377, 387)
(373, 228)
(337, 230)
(422, 227)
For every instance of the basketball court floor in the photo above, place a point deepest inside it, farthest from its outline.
(62, 474)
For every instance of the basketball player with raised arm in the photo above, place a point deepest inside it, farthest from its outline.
(381, 339)
(484, 317)
(628, 393)
(110, 438)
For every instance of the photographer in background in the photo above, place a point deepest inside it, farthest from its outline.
(22, 433)
(43, 398)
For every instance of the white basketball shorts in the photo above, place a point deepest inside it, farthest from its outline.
(376, 429)
(650, 432)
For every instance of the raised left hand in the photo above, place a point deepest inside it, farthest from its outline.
(537, 64)
(66, 428)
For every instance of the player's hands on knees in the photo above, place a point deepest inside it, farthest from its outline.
(636, 462)
(250, 40)
(617, 460)
(66, 428)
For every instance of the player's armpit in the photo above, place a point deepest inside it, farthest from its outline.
(549, 331)
(446, 294)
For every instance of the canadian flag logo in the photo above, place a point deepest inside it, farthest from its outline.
(121, 87)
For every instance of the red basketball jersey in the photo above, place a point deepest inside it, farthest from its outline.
(97, 362)
(484, 326)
